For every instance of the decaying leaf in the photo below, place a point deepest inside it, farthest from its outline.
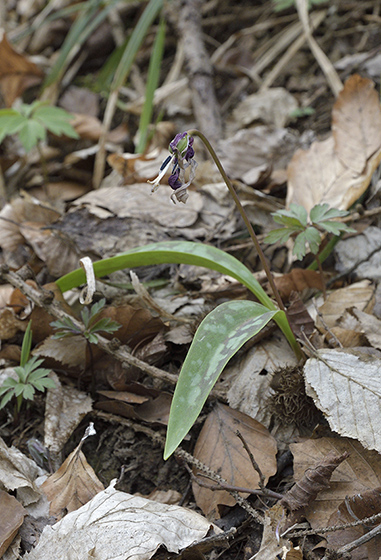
(298, 280)
(220, 449)
(357, 507)
(64, 410)
(359, 296)
(314, 480)
(370, 326)
(18, 472)
(346, 387)
(17, 73)
(361, 254)
(272, 545)
(338, 170)
(359, 472)
(12, 517)
(73, 485)
(119, 526)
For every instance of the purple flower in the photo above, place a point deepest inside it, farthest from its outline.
(182, 154)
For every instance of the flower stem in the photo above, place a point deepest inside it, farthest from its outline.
(245, 218)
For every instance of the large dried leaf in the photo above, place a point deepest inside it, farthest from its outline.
(359, 472)
(346, 387)
(219, 447)
(356, 123)
(325, 173)
(360, 506)
(12, 517)
(73, 485)
(361, 254)
(120, 526)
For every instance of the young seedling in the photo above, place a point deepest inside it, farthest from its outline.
(307, 230)
(92, 325)
(30, 377)
(32, 122)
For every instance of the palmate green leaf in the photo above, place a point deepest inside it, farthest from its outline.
(220, 335)
(6, 398)
(336, 227)
(30, 133)
(279, 235)
(296, 216)
(310, 236)
(44, 383)
(28, 392)
(96, 308)
(182, 252)
(10, 122)
(105, 324)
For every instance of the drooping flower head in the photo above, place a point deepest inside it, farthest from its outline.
(182, 154)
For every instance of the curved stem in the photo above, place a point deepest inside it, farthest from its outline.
(245, 218)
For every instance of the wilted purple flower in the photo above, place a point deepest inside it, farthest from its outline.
(181, 158)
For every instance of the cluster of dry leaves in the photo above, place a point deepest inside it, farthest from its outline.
(272, 402)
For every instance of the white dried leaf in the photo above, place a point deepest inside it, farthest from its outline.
(346, 387)
(122, 527)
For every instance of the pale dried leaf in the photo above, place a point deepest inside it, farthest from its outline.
(64, 410)
(10, 325)
(249, 388)
(70, 351)
(370, 326)
(272, 545)
(72, 486)
(18, 472)
(346, 387)
(322, 173)
(220, 449)
(361, 254)
(359, 296)
(122, 527)
(272, 107)
(359, 472)
(356, 123)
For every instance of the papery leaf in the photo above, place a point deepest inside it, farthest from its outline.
(220, 335)
(313, 481)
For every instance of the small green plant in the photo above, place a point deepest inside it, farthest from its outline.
(307, 230)
(32, 122)
(30, 377)
(91, 322)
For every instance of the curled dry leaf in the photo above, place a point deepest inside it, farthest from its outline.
(298, 280)
(338, 170)
(73, 485)
(119, 526)
(219, 448)
(354, 508)
(314, 480)
(346, 387)
(359, 472)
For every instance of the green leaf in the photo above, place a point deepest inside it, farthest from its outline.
(106, 325)
(8, 383)
(45, 383)
(7, 397)
(10, 122)
(92, 338)
(26, 345)
(281, 235)
(28, 392)
(336, 227)
(220, 335)
(322, 212)
(296, 216)
(182, 252)
(310, 236)
(19, 388)
(97, 307)
(31, 132)
(38, 374)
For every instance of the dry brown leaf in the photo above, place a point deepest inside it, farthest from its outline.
(298, 280)
(10, 325)
(315, 479)
(356, 123)
(361, 471)
(17, 73)
(12, 517)
(357, 507)
(273, 546)
(300, 320)
(359, 295)
(70, 351)
(370, 326)
(324, 173)
(88, 127)
(73, 485)
(220, 449)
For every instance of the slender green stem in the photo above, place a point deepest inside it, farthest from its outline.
(245, 218)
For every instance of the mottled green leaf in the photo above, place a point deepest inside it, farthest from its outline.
(220, 335)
